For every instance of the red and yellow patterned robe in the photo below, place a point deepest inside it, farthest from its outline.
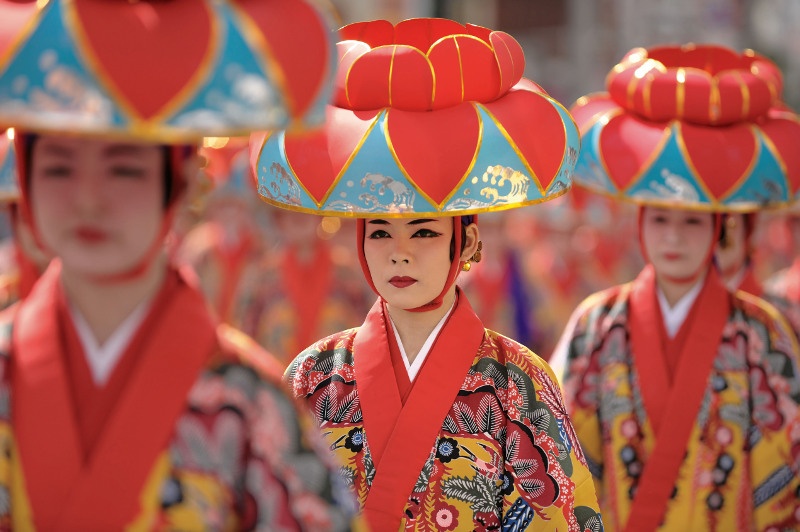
(481, 439)
(202, 435)
(738, 469)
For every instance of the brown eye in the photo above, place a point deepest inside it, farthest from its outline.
(425, 233)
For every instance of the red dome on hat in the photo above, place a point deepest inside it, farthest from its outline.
(708, 85)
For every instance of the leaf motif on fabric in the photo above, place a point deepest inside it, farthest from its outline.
(324, 363)
(533, 486)
(425, 476)
(525, 467)
(348, 474)
(450, 425)
(541, 419)
(346, 408)
(518, 517)
(466, 418)
(479, 491)
(325, 404)
(489, 415)
(358, 416)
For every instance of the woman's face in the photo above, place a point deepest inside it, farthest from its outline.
(408, 259)
(732, 256)
(677, 242)
(97, 204)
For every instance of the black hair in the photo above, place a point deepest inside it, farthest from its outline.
(463, 242)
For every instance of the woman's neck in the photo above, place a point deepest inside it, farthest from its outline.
(414, 328)
(675, 290)
(105, 305)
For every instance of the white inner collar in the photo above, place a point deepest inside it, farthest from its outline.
(676, 315)
(104, 358)
(413, 368)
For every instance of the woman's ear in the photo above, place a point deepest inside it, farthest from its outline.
(471, 240)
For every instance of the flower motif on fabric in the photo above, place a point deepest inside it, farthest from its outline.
(355, 440)
(446, 517)
(447, 450)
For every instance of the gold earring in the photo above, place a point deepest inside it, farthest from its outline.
(466, 267)
(477, 255)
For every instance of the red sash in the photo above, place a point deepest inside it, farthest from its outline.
(401, 436)
(673, 425)
(103, 492)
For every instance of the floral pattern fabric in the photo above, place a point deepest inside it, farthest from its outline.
(740, 470)
(506, 457)
(242, 456)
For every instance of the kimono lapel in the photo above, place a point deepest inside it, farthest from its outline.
(42, 410)
(691, 381)
(415, 431)
(104, 492)
(377, 387)
(649, 358)
(180, 344)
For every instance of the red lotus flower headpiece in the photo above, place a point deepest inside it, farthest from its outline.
(708, 85)
(696, 126)
(429, 117)
(404, 68)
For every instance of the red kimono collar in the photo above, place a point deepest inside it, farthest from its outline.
(672, 410)
(401, 436)
(104, 492)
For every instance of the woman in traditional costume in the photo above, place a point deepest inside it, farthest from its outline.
(439, 424)
(125, 405)
(683, 395)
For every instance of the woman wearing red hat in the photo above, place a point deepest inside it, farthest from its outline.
(439, 423)
(125, 405)
(685, 396)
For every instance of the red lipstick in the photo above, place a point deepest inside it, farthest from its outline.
(90, 235)
(402, 282)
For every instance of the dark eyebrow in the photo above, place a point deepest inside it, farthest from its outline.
(57, 149)
(122, 150)
(379, 222)
(420, 221)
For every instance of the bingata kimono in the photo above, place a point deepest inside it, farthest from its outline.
(713, 445)
(480, 440)
(192, 431)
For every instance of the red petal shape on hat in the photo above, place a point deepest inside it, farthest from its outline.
(375, 32)
(783, 130)
(627, 143)
(588, 109)
(302, 56)
(318, 157)
(396, 76)
(422, 33)
(420, 139)
(510, 59)
(348, 52)
(465, 69)
(16, 16)
(139, 52)
(536, 128)
(721, 156)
